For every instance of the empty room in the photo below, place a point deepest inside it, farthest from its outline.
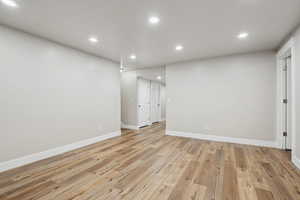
(150, 100)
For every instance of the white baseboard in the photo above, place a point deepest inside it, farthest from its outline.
(296, 161)
(263, 143)
(11, 164)
(133, 127)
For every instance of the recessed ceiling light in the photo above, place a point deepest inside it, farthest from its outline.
(179, 47)
(243, 35)
(154, 20)
(158, 77)
(132, 56)
(93, 39)
(10, 3)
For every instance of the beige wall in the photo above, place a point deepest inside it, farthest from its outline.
(52, 95)
(231, 96)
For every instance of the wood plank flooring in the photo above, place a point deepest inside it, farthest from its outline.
(147, 164)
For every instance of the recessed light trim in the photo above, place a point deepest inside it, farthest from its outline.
(158, 77)
(243, 35)
(179, 48)
(132, 57)
(10, 3)
(93, 39)
(154, 20)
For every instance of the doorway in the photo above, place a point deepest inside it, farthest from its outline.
(144, 102)
(149, 102)
(285, 97)
(143, 99)
(155, 102)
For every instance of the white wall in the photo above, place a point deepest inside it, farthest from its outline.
(163, 101)
(231, 96)
(152, 73)
(129, 98)
(51, 95)
(297, 90)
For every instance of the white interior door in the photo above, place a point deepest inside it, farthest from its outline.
(155, 102)
(143, 92)
(286, 104)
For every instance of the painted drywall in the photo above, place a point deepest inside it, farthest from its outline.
(163, 101)
(297, 91)
(129, 98)
(231, 96)
(52, 95)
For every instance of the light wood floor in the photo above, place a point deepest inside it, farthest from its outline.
(147, 164)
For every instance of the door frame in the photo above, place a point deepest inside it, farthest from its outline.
(287, 49)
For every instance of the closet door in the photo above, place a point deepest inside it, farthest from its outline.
(143, 93)
(155, 102)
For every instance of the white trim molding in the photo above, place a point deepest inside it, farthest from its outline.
(11, 164)
(133, 127)
(262, 143)
(296, 161)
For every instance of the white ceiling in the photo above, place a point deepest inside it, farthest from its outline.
(206, 28)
